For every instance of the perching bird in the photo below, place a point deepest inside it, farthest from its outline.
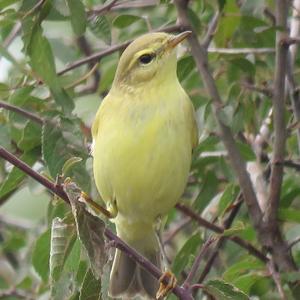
(143, 136)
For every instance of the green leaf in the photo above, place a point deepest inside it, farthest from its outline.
(70, 163)
(227, 198)
(73, 260)
(16, 176)
(246, 151)
(242, 267)
(208, 189)
(42, 62)
(188, 249)
(90, 229)
(289, 215)
(91, 287)
(245, 282)
(235, 229)
(41, 255)
(123, 21)
(100, 27)
(62, 240)
(31, 136)
(78, 16)
(5, 3)
(222, 290)
(228, 24)
(61, 140)
(184, 67)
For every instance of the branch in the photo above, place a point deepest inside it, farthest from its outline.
(276, 277)
(278, 115)
(212, 27)
(226, 224)
(108, 51)
(236, 239)
(239, 166)
(292, 86)
(12, 35)
(58, 190)
(241, 50)
(23, 112)
(197, 262)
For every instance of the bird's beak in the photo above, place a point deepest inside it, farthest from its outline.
(174, 41)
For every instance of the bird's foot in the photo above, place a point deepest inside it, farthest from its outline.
(164, 289)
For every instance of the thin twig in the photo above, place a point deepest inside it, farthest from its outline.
(294, 242)
(238, 51)
(34, 8)
(102, 9)
(196, 264)
(263, 90)
(173, 231)
(276, 277)
(98, 55)
(236, 239)
(12, 35)
(58, 190)
(212, 27)
(278, 115)
(226, 224)
(23, 112)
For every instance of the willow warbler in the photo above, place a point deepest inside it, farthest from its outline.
(143, 136)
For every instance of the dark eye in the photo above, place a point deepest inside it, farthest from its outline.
(146, 58)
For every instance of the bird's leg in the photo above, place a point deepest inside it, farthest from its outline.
(167, 276)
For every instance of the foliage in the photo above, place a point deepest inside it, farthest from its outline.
(42, 253)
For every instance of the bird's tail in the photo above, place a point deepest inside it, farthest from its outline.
(127, 278)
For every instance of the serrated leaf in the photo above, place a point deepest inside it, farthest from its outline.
(91, 287)
(62, 240)
(222, 290)
(78, 16)
(16, 176)
(90, 229)
(188, 249)
(100, 27)
(123, 21)
(41, 255)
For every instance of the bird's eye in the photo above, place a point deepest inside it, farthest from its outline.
(145, 59)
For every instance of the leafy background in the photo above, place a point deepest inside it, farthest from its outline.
(40, 254)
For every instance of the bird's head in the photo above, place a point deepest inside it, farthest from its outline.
(149, 57)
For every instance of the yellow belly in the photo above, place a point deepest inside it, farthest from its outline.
(142, 160)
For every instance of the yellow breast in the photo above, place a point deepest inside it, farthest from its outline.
(142, 151)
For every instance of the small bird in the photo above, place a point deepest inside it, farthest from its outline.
(143, 136)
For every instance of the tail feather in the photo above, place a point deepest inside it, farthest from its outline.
(128, 279)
